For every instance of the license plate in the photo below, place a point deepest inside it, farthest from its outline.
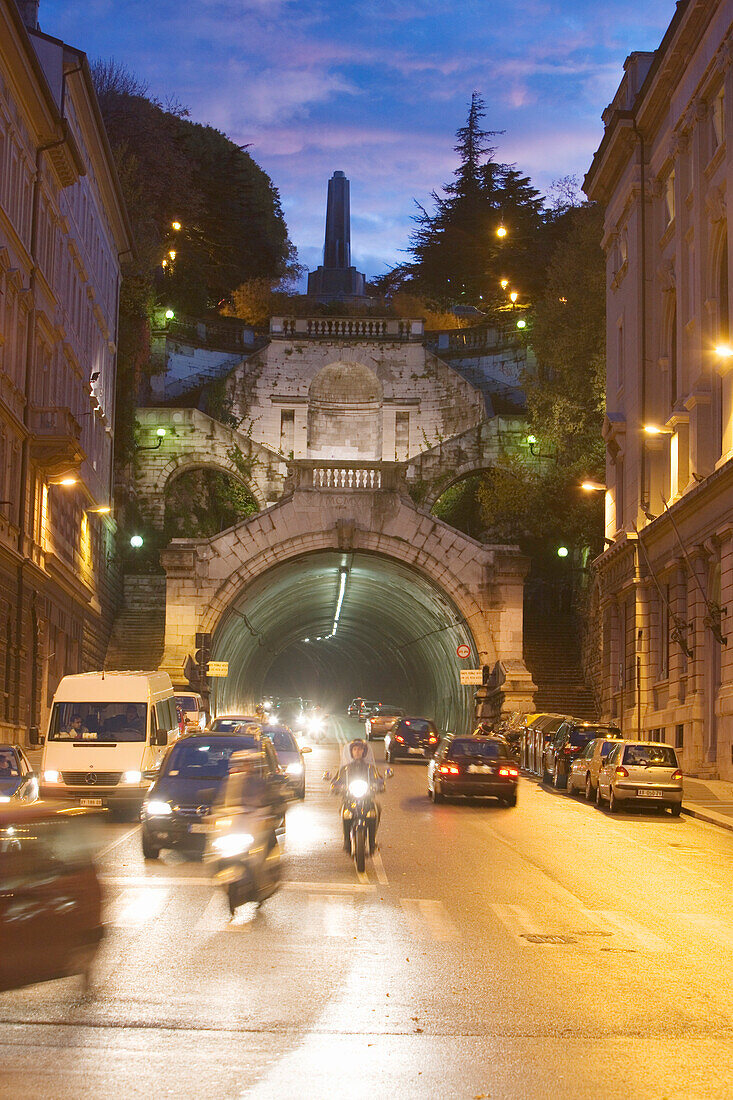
(649, 794)
(91, 802)
(416, 752)
(198, 827)
(480, 769)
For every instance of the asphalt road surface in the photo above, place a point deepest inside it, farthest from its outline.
(548, 950)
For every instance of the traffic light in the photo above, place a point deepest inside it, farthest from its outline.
(201, 657)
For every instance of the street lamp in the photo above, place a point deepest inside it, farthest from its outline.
(562, 551)
(176, 226)
(501, 231)
(513, 297)
(67, 481)
(521, 323)
(136, 542)
(592, 487)
(504, 283)
(169, 315)
(654, 429)
(723, 351)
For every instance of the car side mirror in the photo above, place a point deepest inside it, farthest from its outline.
(306, 748)
(328, 776)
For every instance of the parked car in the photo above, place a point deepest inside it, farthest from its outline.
(583, 774)
(382, 719)
(289, 756)
(641, 773)
(50, 897)
(18, 781)
(175, 811)
(570, 740)
(473, 767)
(538, 733)
(411, 738)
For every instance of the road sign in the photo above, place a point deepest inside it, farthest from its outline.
(464, 650)
(218, 668)
(472, 676)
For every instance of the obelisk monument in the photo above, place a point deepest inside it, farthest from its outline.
(336, 280)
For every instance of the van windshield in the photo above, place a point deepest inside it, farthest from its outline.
(187, 702)
(98, 722)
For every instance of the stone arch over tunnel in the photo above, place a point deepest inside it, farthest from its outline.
(345, 412)
(395, 638)
(459, 583)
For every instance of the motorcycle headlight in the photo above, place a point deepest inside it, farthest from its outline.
(295, 768)
(132, 777)
(358, 788)
(157, 808)
(233, 844)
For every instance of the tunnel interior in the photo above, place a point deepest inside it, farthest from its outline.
(330, 626)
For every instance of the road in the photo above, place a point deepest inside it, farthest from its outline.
(487, 952)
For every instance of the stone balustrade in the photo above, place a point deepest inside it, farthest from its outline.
(347, 328)
(345, 476)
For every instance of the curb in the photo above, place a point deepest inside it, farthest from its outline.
(710, 817)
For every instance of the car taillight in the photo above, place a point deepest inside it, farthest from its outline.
(509, 771)
(432, 739)
(449, 769)
(677, 774)
(572, 748)
(399, 738)
(622, 773)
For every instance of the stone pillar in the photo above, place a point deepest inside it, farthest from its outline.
(725, 695)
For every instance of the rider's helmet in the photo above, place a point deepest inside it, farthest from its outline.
(361, 745)
(485, 727)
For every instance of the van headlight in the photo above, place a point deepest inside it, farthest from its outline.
(233, 844)
(51, 777)
(295, 768)
(358, 788)
(132, 777)
(157, 808)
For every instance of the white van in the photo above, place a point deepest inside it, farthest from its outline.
(192, 706)
(107, 734)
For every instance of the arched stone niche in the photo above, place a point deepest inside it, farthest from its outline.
(345, 413)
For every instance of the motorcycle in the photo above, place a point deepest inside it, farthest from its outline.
(360, 810)
(246, 858)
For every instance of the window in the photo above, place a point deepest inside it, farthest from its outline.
(673, 380)
(620, 358)
(287, 431)
(401, 436)
(679, 736)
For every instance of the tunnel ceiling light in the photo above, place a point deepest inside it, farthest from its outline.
(343, 574)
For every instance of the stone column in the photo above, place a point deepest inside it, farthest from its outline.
(725, 695)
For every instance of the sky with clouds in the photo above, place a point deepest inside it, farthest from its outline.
(375, 88)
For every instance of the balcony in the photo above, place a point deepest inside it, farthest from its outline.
(347, 328)
(345, 476)
(55, 440)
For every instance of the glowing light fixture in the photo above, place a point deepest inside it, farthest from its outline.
(175, 226)
(513, 296)
(562, 551)
(343, 574)
(724, 351)
(136, 542)
(592, 486)
(169, 315)
(68, 481)
(103, 510)
(531, 439)
(172, 253)
(521, 323)
(654, 429)
(504, 283)
(501, 231)
(160, 432)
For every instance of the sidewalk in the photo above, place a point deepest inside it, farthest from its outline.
(709, 800)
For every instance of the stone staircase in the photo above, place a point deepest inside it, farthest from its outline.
(138, 634)
(552, 655)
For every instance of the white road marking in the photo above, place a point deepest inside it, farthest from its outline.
(153, 881)
(333, 914)
(425, 915)
(517, 922)
(331, 887)
(137, 906)
(116, 843)
(379, 868)
(631, 929)
(215, 917)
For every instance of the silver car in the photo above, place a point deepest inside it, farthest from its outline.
(583, 774)
(641, 773)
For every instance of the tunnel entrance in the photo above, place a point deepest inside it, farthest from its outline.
(332, 625)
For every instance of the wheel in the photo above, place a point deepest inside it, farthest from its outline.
(232, 897)
(149, 849)
(559, 781)
(436, 796)
(613, 806)
(599, 796)
(571, 788)
(360, 848)
(588, 789)
(676, 809)
(512, 801)
(546, 777)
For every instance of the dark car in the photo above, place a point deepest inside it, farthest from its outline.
(18, 781)
(50, 898)
(175, 811)
(538, 732)
(229, 723)
(473, 767)
(354, 708)
(289, 757)
(411, 739)
(569, 741)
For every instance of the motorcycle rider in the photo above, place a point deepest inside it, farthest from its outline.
(357, 762)
(485, 728)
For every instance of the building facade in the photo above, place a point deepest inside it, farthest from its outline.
(664, 584)
(62, 231)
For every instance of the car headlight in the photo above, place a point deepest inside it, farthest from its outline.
(233, 844)
(157, 808)
(5, 797)
(51, 776)
(294, 769)
(358, 788)
(132, 777)
(314, 725)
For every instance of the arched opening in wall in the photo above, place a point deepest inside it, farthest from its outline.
(203, 500)
(345, 413)
(460, 506)
(330, 626)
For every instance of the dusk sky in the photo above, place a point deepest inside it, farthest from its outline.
(375, 88)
